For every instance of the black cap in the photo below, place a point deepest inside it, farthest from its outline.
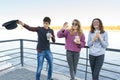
(10, 24)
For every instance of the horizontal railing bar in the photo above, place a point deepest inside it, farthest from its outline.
(77, 69)
(107, 77)
(56, 63)
(113, 50)
(66, 61)
(108, 49)
(30, 40)
(82, 58)
(88, 59)
(10, 54)
(61, 65)
(9, 40)
(89, 66)
(60, 59)
(85, 59)
(59, 54)
(10, 59)
(9, 50)
(68, 67)
(110, 70)
(112, 64)
(101, 69)
(104, 62)
(84, 65)
(57, 43)
(30, 57)
(29, 53)
(29, 48)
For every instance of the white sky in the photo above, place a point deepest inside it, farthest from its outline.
(32, 12)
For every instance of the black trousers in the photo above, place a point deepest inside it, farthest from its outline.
(96, 63)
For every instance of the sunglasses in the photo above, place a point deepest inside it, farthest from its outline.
(74, 24)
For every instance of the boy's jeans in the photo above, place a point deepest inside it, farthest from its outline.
(40, 59)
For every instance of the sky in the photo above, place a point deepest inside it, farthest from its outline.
(32, 12)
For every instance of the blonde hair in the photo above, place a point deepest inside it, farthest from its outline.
(79, 30)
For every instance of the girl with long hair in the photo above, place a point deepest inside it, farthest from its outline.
(97, 43)
(75, 40)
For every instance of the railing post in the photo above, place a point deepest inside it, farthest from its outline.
(21, 52)
(86, 63)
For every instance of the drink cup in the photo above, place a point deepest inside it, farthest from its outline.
(77, 39)
(48, 36)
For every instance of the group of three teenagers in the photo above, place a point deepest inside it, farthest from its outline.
(74, 41)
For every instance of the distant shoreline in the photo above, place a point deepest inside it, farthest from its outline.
(88, 28)
(83, 27)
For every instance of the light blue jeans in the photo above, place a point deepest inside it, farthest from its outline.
(40, 59)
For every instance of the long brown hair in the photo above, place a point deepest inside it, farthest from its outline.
(101, 27)
(79, 30)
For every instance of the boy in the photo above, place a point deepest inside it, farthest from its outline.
(43, 45)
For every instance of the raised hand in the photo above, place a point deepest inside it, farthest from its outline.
(65, 25)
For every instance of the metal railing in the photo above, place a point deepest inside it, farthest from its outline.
(21, 50)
